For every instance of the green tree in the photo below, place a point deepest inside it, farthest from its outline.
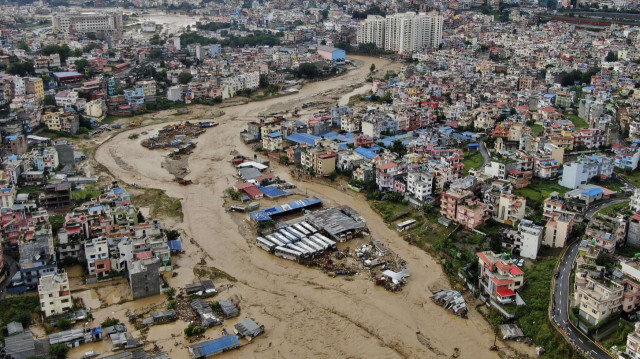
(81, 65)
(399, 148)
(308, 70)
(185, 78)
(495, 243)
(372, 68)
(23, 46)
(59, 351)
(109, 322)
(64, 324)
(264, 80)
(611, 57)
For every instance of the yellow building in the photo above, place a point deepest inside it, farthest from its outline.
(34, 86)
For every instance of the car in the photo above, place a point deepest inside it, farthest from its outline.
(520, 262)
(557, 274)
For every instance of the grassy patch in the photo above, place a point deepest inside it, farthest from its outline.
(212, 273)
(159, 203)
(472, 160)
(633, 177)
(391, 211)
(90, 191)
(533, 318)
(614, 209)
(627, 251)
(536, 129)
(619, 337)
(577, 121)
(18, 309)
(539, 190)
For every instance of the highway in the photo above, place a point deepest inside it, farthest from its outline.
(561, 292)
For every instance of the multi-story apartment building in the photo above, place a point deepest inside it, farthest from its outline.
(372, 31)
(463, 208)
(511, 208)
(83, 22)
(385, 174)
(499, 278)
(631, 284)
(96, 253)
(34, 86)
(633, 343)
(54, 293)
(581, 171)
(409, 32)
(149, 87)
(557, 229)
(597, 298)
(420, 184)
(318, 160)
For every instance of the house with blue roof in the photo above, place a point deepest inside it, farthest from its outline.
(273, 141)
(580, 172)
(580, 199)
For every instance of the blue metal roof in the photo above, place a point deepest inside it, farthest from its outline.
(271, 191)
(265, 214)
(302, 138)
(95, 208)
(593, 191)
(215, 346)
(175, 245)
(274, 135)
(118, 190)
(66, 73)
(365, 152)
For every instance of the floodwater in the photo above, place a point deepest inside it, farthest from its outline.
(305, 312)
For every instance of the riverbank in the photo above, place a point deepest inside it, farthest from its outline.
(305, 312)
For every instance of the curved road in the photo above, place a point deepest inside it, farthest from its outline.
(561, 291)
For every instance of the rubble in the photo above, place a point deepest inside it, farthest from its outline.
(452, 301)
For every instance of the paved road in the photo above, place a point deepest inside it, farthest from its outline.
(562, 288)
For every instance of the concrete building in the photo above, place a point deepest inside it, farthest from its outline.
(409, 32)
(55, 295)
(144, 277)
(95, 109)
(597, 298)
(332, 54)
(272, 141)
(581, 171)
(635, 200)
(371, 31)
(149, 87)
(66, 98)
(529, 239)
(318, 160)
(83, 22)
(633, 343)
(174, 93)
(511, 209)
(420, 184)
(96, 254)
(34, 86)
(499, 278)
(557, 230)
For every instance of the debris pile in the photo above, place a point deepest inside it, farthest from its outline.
(452, 301)
(386, 268)
(177, 135)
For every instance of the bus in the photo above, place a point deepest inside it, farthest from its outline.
(287, 253)
(304, 253)
(282, 238)
(265, 244)
(295, 232)
(288, 235)
(318, 248)
(406, 224)
(331, 243)
(309, 227)
(301, 229)
(275, 240)
(309, 249)
(319, 242)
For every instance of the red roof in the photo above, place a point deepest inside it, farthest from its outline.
(252, 191)
(387, 166)
(327, 155)
(516, 271)
(244, 185)
(499, 281)
(505, 292)
(143, 255)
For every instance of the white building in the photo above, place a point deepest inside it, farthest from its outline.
(511, 208)
(174, 93)
(19, 86)
(410, 32)
(420, 184)
(633, 343)
(87, 21)
(66, 99)
(530, 238)
(371, 31)
(578, 173)
(635, 200)
(55, 296)
(97, 255)
(251, 80)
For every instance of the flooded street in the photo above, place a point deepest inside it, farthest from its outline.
(306, 313)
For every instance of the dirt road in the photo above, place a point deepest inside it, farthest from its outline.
(306, 313)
